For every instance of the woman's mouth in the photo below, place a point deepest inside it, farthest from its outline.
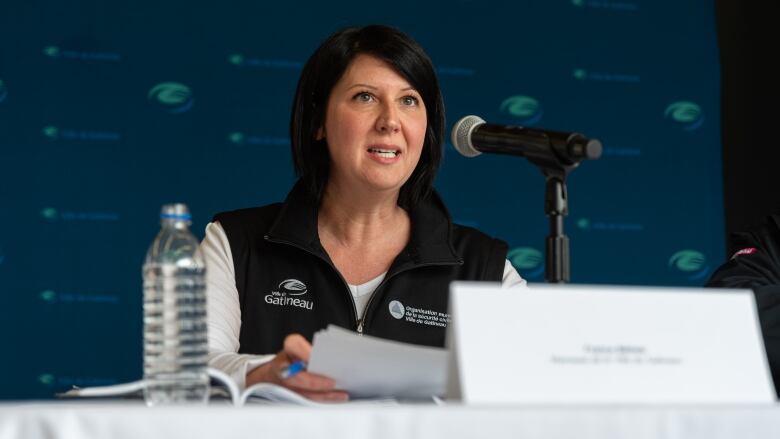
(387, 153)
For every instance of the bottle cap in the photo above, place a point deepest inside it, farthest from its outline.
(176, 211)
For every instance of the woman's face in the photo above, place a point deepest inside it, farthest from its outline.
(374, 126)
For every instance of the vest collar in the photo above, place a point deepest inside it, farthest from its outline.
(430, 241)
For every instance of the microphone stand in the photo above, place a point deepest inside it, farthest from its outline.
(557, 263)
(556, 207)
(556, 168)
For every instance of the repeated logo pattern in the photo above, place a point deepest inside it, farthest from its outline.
(172, 96)
(102, 131)
(528, 261)
(688, 114)
(690, 263)
(526, 109)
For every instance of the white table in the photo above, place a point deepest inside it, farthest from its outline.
(131, 419)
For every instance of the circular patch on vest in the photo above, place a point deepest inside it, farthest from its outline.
(397, 309)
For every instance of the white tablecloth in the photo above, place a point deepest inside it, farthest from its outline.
(118, 420)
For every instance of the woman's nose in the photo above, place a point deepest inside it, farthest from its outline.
(388, 122)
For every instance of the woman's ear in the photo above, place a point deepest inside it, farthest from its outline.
(320, 134)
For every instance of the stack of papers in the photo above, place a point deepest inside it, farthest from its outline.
(370, 367)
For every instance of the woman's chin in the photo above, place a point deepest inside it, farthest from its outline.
(383, 184)
(390, 180)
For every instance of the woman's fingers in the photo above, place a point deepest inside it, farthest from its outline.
(310, 381)
(297, 347)
(310, 385)
(313, 386)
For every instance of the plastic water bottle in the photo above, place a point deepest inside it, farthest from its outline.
(175, 344)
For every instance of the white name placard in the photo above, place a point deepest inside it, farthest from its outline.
(593, 344)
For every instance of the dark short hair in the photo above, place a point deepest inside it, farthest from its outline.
(321, 73)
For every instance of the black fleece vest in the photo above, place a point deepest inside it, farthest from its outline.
(287, 283)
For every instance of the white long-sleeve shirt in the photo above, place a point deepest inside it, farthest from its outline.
(224, 309)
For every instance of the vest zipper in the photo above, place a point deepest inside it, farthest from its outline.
(360, 321)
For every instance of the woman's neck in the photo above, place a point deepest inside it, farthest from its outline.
(352, 217)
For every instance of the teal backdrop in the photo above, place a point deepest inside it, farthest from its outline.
(110, 109)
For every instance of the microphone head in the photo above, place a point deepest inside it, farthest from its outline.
(593, 149)
(581, 148)
(461, 135)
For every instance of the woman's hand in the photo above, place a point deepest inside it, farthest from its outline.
(312, 386)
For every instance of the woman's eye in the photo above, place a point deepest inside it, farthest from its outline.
(409, 100)
(363, 97)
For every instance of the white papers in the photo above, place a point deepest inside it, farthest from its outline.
(367, 366)
(261, 392)
(575, 345)
(272, 393)
(134, 388)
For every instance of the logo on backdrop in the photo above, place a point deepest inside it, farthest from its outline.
(585, 75)
(55, 52)
(525, 109)
(240, 60)
(454, 71)
(611, 5)
(691, 263)
(622, 152)
(3, 91)
(49, 380)
(528, 261)
(286, 294)
(52, 214)
(419, 316)
(687, 114)
(52, 132)
(240, 138)
(52, 297)
(2, 256)
(588, 224)
(173, 97)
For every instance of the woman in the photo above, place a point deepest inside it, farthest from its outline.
(361, 235)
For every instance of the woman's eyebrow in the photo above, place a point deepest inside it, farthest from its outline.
(361, 85)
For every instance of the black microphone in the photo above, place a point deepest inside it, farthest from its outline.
(471, 136)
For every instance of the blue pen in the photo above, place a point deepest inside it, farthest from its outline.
(293, 369)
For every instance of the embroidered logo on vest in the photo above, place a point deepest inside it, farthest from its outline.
(397, 309)
(418, 316)
(286, 293)
(293, 287)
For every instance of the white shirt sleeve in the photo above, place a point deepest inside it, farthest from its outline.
(512, 278)
(224, 310)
